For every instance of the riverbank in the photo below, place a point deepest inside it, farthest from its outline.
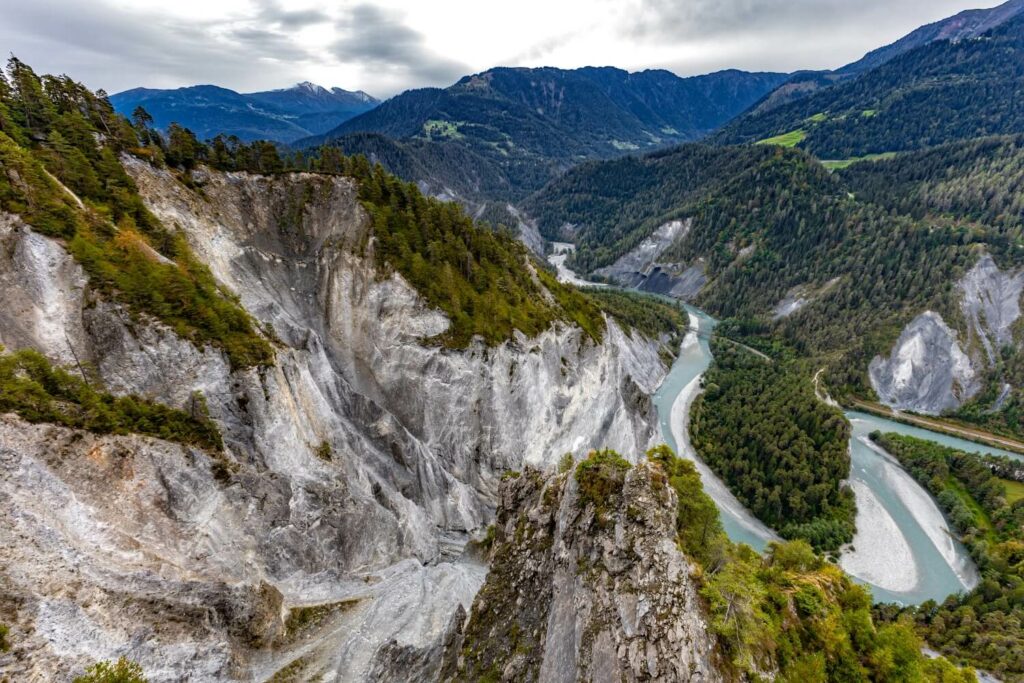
(938, 425)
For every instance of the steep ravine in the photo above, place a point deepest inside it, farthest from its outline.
(125, 545)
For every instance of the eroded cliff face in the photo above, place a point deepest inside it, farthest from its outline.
(927, 370)
(579, 592)
(933, 368)
(357, 466)
(643, 268)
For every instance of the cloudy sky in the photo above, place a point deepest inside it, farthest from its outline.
(386, 46)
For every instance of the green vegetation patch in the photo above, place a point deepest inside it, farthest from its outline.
(39, 392)
(782, 452)
(833, 165)
(649, 315)
(790, 139)
(483, 280)
(301, 619)
(600, 478)
(55, 127)
(1014, 490)
(440, 129)
(789, 611)
(121, 671)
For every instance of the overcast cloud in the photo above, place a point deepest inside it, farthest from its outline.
(386, 46)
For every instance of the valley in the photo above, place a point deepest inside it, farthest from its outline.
(903, 550)
(541, 375)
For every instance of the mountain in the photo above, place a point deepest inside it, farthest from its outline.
(939, 92)
(530, 124)
(282, 115)
(311, 424)
(963, 26)
(839, 264)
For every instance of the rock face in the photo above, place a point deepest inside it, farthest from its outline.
(130, 546)
(930, 370)
(927, 371)
(641, 268)
(577, 593)
(991, 303)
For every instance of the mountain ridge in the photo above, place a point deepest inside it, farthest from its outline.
(282, 115)
(966, 24)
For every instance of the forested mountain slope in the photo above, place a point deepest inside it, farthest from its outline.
(527, 125)
(283, 115)
(939, 92)
(835, 262)
(963, 26)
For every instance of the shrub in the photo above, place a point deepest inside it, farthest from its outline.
(39, 392)
(122, 671)
(600, 478)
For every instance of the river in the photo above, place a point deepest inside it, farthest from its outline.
(903, 551)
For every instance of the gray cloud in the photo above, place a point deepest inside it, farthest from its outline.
(780, 34)
(117, 49)
(273, 13)
(380, 40)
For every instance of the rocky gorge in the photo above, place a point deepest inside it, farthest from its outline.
(331, 533)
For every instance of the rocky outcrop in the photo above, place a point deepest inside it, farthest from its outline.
(927, 371)
(990, 300)
(642, 268)
(585, 591)
(362, 461)
(798, 297)
(931, 369)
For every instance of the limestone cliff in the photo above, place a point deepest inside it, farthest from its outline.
(934, 368)
(586, 590)
(357, 467)
(643, 268)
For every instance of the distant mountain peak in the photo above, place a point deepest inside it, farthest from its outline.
(311, 87)
(285, 114)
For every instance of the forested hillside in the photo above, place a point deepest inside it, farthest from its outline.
(980, 181)
(56, 134)
(613, 205)
(783, 452)
(939, 92)
(767, 221)
(790, 610)
(502, 134)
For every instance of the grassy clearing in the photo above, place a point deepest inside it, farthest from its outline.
(833, 165)
(820, 117)
(790, 139)
(1014, 490)
(440, 129)
(982, 519)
